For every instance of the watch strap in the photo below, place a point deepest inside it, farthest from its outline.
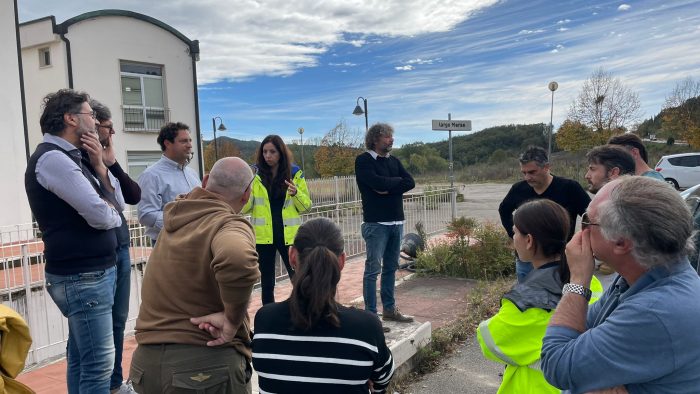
(577, 289)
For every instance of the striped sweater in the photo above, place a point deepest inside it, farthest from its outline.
(324, 359)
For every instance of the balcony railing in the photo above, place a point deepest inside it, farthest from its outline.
(137, 118)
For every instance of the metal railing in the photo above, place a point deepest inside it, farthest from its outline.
(22, 285)
(138, 118)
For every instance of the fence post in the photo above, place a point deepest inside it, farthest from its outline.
(26, 274)
(337, 199)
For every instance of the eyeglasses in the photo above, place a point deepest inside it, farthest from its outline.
(585, 223)
(252, 179)
(110, 128)
(91, 113)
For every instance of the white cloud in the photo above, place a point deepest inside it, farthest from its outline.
(423, 61)
(521, 32)
(624, 7)
(562, 29)
(563, 21)
(345, 64)
(244, 38)
(407, 67)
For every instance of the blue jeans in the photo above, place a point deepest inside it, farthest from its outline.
(120, 311)
(522, 268)
(383, 247)
(86, 299)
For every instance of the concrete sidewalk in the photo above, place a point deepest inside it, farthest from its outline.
(433, 301)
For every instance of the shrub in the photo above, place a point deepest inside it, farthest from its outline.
(472, 250)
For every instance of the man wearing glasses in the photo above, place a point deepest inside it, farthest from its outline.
(77, 209)
(538, 182)
(641, 336)
(131, 193)
(204, 263)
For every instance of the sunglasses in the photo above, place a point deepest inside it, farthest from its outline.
(585, 223)
(252, 179)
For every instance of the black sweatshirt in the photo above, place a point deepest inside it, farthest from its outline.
(565, 192)
(382, 183)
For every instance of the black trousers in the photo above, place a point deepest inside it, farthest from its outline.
(266, 262)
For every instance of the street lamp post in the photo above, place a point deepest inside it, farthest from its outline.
(301, 136)
(216, 142)
(358, 111)
(552, 87)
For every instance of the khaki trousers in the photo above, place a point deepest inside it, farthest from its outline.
(181, 369)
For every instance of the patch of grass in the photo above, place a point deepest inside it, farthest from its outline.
(483, 302)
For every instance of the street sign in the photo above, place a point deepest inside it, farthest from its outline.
(451, 124)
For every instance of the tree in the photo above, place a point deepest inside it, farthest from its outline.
(681, 114)
(605, 103)
(226, 148)
(574, 135)
(336, 155)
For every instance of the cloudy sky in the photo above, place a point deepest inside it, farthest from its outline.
(273, 66)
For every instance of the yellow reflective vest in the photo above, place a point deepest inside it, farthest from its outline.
(258, 207)
(15, 342)
(514, 337)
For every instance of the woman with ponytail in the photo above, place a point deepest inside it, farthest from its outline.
(514, 335)
(310, 343)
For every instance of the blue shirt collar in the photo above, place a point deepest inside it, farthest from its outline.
(61, 142)
(651, 276)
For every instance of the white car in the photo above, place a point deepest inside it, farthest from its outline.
(681, 170)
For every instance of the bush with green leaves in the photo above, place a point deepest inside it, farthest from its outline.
(473, 250)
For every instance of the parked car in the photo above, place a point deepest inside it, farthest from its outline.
(692, 198)
(680, 170)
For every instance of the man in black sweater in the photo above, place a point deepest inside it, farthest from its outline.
(382, 181)
(131, 193)
(538, 182)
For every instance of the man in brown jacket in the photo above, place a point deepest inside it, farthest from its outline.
(204, 262)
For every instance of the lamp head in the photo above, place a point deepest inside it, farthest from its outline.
(358, 111)
(222, 127)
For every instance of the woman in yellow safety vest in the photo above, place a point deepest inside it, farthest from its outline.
(279, 194)
(514, 335)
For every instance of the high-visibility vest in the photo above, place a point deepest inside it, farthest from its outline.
(261, 215)
(514, 338)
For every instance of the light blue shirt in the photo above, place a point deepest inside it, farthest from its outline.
(62, 176)
(654, 174)
(643, 336)
(161, 183)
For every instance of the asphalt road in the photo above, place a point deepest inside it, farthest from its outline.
(466, 372)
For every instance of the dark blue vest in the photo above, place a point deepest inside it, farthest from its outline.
(71, 245)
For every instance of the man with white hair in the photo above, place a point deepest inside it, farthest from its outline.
(641, 336)
(204, 262)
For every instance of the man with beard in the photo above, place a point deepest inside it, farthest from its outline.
(167, 178)
(382, 181)
(605, 163)
(538, 182)
(131, 193)
(77, 210)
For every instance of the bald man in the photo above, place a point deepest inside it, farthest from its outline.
(204, 262)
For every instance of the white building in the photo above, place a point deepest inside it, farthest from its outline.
(141, 68)
(14, 207)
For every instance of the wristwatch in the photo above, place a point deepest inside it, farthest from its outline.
(577, 289)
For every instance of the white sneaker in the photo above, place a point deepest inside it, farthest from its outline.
(125, 388)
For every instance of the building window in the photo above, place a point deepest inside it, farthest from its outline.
(138, 161)
(143, 101)
(44, 57)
